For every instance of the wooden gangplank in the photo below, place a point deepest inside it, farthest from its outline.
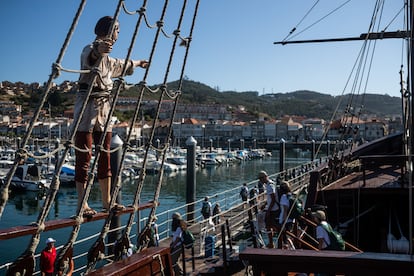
(280, 262)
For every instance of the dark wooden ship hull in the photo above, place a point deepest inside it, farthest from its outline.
(366, 193)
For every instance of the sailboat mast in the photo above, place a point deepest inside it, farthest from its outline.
(410, 24)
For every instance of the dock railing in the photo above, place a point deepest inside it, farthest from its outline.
(233, 217)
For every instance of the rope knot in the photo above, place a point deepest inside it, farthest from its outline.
(185, 41)
(22, 154)
(41, 227)
(176, 32)
(96, 70)
(160, 24)
(126, 145)
(79, 220)
(100, 147)
(142, 10)
(68, 144)
(91, 175)
(56, 68)
(142, 83)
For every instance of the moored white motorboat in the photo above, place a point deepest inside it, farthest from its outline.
(28, 178)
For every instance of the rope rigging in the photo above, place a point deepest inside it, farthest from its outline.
(359, 75)
(291, 36)
(65, 254)
(142, 241)
(17, 266)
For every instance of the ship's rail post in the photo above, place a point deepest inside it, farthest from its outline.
(57, 144)
(116, 156)
(328, 148)
(313, 150)
(191, 178)
(282, 154)
(223, 242)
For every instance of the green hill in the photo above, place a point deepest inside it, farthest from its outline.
(301, 103)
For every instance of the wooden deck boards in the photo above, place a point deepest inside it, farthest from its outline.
(374, 179)
(280, 262)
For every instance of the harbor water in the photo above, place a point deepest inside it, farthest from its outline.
(23, 208)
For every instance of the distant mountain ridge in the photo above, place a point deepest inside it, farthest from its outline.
(302, 103)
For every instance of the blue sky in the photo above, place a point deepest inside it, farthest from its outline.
(232, 47)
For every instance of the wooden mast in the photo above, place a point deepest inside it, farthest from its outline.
(364, 36)
(410, 24)
(408, 34)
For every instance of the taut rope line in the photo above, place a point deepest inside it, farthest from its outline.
(65, 254)
(68, 247)
(22, 265)
(5, 187)
(142, 240)
(123, 243)
(95, 254)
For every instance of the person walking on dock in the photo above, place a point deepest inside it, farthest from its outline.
(47, 258)
(95, 58)
(244, 192)
(216, 213)
(261, 183)
(272, 208)
(175, 246)
(253, 198)
(206, 208)
(284, 219)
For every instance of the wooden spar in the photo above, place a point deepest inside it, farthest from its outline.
(410, 22)
(19, 231)
(364, 36)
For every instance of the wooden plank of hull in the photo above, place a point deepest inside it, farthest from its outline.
(280, 262)
(146, 262)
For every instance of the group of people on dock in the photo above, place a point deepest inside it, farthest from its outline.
(275, 214)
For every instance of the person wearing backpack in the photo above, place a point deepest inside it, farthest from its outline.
(285, 220)
(272, 208)
(253, 198)
(206, 208)
(244, 192)
(328, 238)
(321, 234)
(216, 214)
(285, 205)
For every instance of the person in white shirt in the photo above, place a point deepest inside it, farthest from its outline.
(322, 236)
(272, 207)
(285, 205)
(285, 222)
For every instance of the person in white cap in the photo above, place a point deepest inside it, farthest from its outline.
(322, 236)
(47, 258)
